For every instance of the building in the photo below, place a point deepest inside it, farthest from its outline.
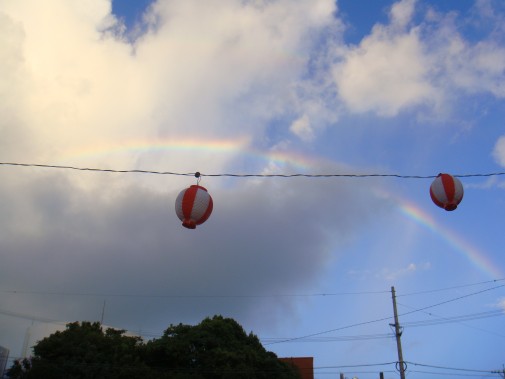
(4, 356)
(304, 364)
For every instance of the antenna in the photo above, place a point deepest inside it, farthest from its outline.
(24, 353)
(103, 313)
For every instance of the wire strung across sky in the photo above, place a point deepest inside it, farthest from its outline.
(239, 295)
(227, 296)
(452, 368)
(197, 174)
(456, 371)
(384, 318)
(461, 372)
(454, 319)
(454, 299)
(450, 288)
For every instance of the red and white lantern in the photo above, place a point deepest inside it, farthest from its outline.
(446, 191)
(193, 206)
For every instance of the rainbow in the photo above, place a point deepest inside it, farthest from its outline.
(242, 147)
(239, 146)
(476, 257)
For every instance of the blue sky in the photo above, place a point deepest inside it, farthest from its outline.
(279, 87)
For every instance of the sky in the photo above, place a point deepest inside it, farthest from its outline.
(406, 88)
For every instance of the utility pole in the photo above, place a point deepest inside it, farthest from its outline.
(398, 335)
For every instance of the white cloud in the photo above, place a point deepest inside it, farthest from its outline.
(302, 128)
(501, 304)
(202, 85)
(473, 68)
(425, 65)
(384, 74)
(388, 71)
(499, 151)
(411, 268)
(214, 70)
(390, 274)
(402, 12)
(205, 74)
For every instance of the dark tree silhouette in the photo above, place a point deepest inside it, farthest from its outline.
(217, 348)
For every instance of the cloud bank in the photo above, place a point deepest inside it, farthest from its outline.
(265, 75)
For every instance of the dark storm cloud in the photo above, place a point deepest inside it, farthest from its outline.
(128, 248)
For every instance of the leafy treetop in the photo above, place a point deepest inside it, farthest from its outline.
(217, 348)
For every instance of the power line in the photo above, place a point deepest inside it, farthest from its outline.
(329, 331)
(98, 294)
(198, 296)
(334, 339)
(451, 288)
(454, 299)
(30, 317)
(384, 318)
(453, 319)
(457, 319)
(399, 176)
(358, 365)
(460, 375)
(453, 368)
(292, 339)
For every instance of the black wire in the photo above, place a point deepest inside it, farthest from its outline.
(95, 169)
(323, 294)
(329, 331)
(357, 365)
(385, 318)
(334, 339)
(96, 294)
(440, 320)
(248, 175)
(452, 368)
(452, 374)
(454, 319)
(450, 288)
(454, 299)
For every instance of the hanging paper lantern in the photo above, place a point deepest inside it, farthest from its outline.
(446, 191)
(193, 206)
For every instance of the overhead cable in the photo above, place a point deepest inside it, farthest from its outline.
(450, 288)
(457, 319)
(451, 300)
(187, 296)
(452, 368)
(238, 295)
(329, 175)
(329, 331)
(384, 318)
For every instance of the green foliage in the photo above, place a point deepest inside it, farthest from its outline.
(84, 350)
(20, 369)
(217, 348)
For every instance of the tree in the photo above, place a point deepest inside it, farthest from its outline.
(217, 348)
(20, 369)
(84, 350)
